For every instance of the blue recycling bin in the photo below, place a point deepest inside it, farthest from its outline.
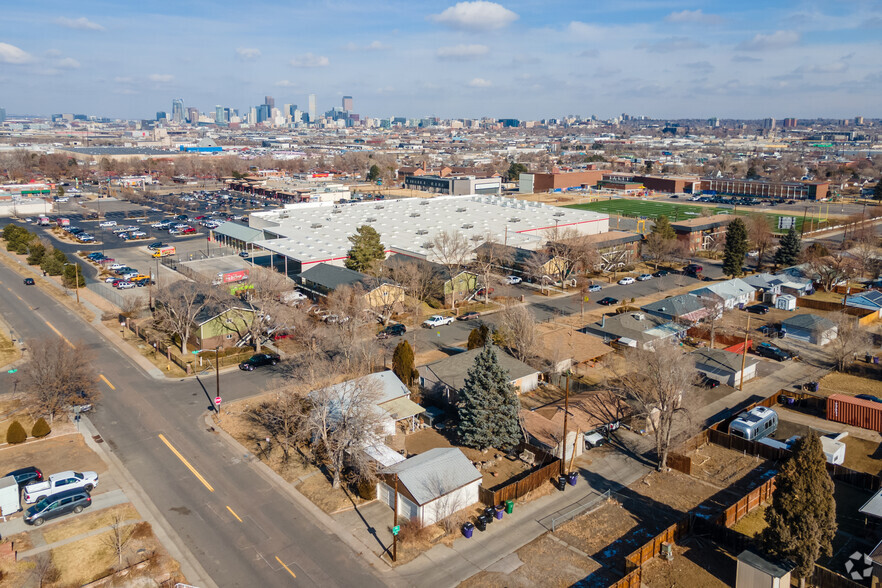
(571, 478)
(467, 529)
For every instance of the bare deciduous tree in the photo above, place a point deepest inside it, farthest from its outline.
(760, 236)
(491, 256)
(353, 315)
(655, 385)
(452, 250)
(283, 417)
(833, 269)
(850, 339)
(420, 282)
(517, 329)
(57, 376)
(45, 572)
(177, 306)
(571, 253)
(659, 249)
(118, 537)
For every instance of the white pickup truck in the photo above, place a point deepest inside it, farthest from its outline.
(59, 482)
(437, 321)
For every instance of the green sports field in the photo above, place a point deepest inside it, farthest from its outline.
(675, 212)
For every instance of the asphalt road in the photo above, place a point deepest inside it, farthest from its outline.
(243, 530)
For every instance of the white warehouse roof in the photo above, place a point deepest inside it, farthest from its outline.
(319, 232)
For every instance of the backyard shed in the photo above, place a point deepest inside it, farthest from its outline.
(809, 327)
(786, 302)
(724, 366)
(757, 572)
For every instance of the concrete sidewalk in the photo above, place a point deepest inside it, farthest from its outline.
(75, 538)
(99, 501)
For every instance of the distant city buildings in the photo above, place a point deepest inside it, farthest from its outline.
(177, 111)
(2, 114)
(347, 103)
(311, 110)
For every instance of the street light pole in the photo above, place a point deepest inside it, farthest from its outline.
(217, 376)
(77, 281)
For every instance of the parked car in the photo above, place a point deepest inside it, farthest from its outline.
(392, 331)
(29, 281)
(772, 352)
(467, 316)
(644, 277)
(124, 285)
(481, 291)
(595, 288)
(511, 280)
(155, 246)
(257, 360)
(108, 223)
(25, 476)
(58, 483)
(757, 309)
(661, 273)
(707, 382)
(608, 301)
(626, 281)
(693, 269)
(188, 231)
(243, 254)
(61, 503)
(116, 266)
(437, 321)
(869, 397)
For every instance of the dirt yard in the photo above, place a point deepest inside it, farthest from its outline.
(726, 468)
(696, 563)
(839, 383)
(9, 352)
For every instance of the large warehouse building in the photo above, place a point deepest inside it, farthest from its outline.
(307, 234)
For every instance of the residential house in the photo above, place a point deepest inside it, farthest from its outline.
(809, 327)
(390, 398)
(588, 412)
(730, 293)
(869, 300)
(445, 377)
(703, 233)
(448, 285)
(322, 279)
(222, 325)
(682, 308)
(772, 285)
(562, 348)
(431, 486)
(634, 329)
(724, 366)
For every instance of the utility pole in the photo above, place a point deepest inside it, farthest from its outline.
(563, 459)
(217, 376)
(77, 280)
(395, 523)
(744, 353)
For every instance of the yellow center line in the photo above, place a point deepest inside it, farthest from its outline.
(106, 381)
(57, 332)
(186, 463)
(286, 567)
(232, 512)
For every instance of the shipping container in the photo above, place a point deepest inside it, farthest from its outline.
(855, 411)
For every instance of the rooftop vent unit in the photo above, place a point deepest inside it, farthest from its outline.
(336, 211)
(468, 226)
(460, 210)
(559, 214)
(514, 219)
(476, 238)
(422, 232)
(315, 226)
(424, 203)
(370, 219)
(414, 214)
(428, 245)
(379, 207)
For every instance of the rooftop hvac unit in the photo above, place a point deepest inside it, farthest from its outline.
(315, 226)
(558, 214)
(460, 210)
(468, 226)
(428, 245)
(414, 214)
(514, 220)
(370, 219)
(424, 203)
(422, 232)
(379, 207)
(336, 211)
(477, 238)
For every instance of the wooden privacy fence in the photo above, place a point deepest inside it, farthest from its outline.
(518, 487)
(747, 503)
(831, 306)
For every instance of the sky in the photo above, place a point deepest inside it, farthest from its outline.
(414, 58)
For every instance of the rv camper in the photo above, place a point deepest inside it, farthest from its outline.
(754, 424)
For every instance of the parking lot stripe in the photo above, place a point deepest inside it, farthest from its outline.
(57, 332)
(286, 567)
(185, 462)
(232, 512)
(106, 381)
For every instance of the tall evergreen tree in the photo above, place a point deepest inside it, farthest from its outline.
(403, 362)
(736, 248)
(478, 337)
(488, 405)
(802, 517)
(789, 249)
(663, 228)
(877, 190)
(366, 249)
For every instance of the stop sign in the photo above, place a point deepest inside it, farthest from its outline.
(217, 400)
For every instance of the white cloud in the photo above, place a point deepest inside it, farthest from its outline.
(477, 16)
(309, 60)
(375, 46)
(480, 83)
(80, 24)
(462, 51)
(372, 46)
(68, 63)
(693, 16)
(672, 44)
(161, 78)
(52, 53)
(763, 42)
(12, 54)
(248, 53)
(823, 68)
(285, 84)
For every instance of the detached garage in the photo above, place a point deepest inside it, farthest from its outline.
(809, 327)
(724, 366)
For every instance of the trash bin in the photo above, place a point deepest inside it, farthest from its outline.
(876, 359)
(561, 483)
(489, 514)
(481, 523)
(572, 477)
(509, 506)
(467, 529)
(500, 510)
(813, 386)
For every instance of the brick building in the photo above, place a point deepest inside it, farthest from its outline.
(703, 233)
(766, 189)
(557, 180)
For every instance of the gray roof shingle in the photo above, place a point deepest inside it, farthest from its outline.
(453, 370)
(434, 473)
(808, 322)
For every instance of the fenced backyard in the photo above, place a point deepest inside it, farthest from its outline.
(549, 467)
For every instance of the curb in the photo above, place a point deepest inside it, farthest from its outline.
(168, 537)
(320, 517)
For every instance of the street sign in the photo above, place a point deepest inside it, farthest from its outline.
(786, 222)
(396, 529)
(217, 400)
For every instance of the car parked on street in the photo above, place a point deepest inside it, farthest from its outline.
(608, 301)
(511, 280)
(644, 277)
(257, 360)
(392, 331)
(595, 288)
(437, 321)
(467, 316)
(626, 281)
(61, 503)
(661, 273)
(29, 281)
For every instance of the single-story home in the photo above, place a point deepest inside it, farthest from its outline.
(809, 327)
(445, 377)
(390, 396)
(588, 411)
(223, 325)
(869, 300)
(322, 279)
(431, 486)
(682, 308)
(780, 283)
(724, 366)
(634, 329)
(561, 347)
(730, 293)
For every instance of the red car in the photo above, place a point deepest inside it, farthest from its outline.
(200, 217)
(188, 230)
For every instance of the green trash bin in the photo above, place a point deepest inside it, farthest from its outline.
(509, 506)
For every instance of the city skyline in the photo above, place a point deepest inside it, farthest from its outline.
(458, 60)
